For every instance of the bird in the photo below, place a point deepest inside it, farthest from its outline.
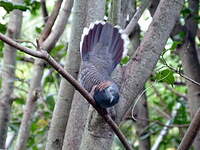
(102, 47)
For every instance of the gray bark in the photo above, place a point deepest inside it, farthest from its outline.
(8, 73)
(137, 72)
(79, 108)
(66, 90)
(141, 109)
(191, 65)
(98, 135)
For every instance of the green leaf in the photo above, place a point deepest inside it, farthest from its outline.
(49, 79)
(38, 29)
(182, 116)
(34, 126)
(175, 44)
(1, 48)
(9, 6)
(180, 36)
(125, 60)
(50, 102)
(185, 12)
(165, 76)
(19, 101)
(34, 7)
(2, 28)
(31, 141)
(20, 7)
(57, 49)
(197, 18)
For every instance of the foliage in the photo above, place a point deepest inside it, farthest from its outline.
(28, 5)
(159, 97)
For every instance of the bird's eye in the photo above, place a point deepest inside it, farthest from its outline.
(112, 91)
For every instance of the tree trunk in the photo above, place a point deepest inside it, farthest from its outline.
(30, 106)
(66, 90)
(147, 54)
(141, 109)
(8, 73)
(79, 109)
(137, 72)
(35, 84)
(191, 68)
(191, 65)
(98, 135)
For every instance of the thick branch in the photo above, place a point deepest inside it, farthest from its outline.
(44, 55)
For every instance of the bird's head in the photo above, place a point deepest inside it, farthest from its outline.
(106, 94)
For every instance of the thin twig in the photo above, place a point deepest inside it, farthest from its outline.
(133, 23)
(181, 74)
(44, 55)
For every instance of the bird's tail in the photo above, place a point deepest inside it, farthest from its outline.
(103, 38)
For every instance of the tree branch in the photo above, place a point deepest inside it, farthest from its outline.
(44, 55)
(58, 26)
(191, 132)
(133, 23)
(51, 20)
(44, 10)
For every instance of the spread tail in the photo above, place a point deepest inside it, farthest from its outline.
(104, 39)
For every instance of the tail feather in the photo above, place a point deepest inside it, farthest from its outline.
(106, 34)
(110, 38)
